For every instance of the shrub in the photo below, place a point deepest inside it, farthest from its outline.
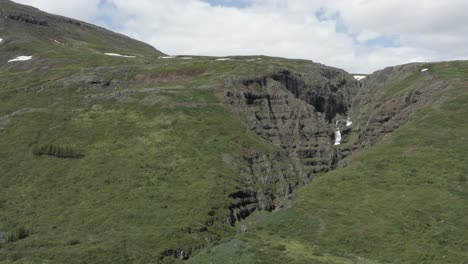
(279, 247)
(73, 242)
(18, 234)
(57, 151)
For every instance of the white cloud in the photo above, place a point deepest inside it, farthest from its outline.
(426, 30)
(79, 9)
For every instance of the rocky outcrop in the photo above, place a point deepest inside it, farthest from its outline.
(73, 22)
(28, 19)
(268, 180)
(298, 113)
(295, 112)
(181, 254)
(377, 113)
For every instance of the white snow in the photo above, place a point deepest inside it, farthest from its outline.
(424, 70)
(118, 55)
(224, 59)
(21, 58)
(359, 77)
(337, 137)
(1, 40)
(175, 57)
(349, 122)
(253, 59)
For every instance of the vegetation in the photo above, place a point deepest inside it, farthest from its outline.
(152, 179)
(17, 234)
(402, 201)
(57, 151)
(401, 85)
(153, 182)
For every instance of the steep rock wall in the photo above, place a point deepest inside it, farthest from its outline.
(295, 112)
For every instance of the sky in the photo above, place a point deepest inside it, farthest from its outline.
(360, 36)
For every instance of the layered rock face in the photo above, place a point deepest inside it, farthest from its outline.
(299, 112)
(296, 113)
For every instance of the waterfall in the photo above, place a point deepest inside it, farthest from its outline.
(337, 137)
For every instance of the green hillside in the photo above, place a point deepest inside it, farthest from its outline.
(155, 159)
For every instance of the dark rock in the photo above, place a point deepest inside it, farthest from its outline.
(27, 19)
(73, 22)
(103, 83)
(294, 112)
(177, 253)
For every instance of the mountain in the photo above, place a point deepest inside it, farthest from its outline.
(27, 29)
(112, 152)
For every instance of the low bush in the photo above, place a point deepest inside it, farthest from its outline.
(57, 151)
(18, 234)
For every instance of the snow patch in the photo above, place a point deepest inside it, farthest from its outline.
(118, 55)
(359, 77)
(424, 70)
(254, 59)
(224, 59)
(1, 40)
(337, 137)
(175, 57)
(349, 122)
(21, 58)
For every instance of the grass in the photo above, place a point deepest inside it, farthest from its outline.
(152, 177)
(401, 85)
(148, 175)
(149, 178)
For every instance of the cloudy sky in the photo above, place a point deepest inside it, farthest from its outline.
(359, 36)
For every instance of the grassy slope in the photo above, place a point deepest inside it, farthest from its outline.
(34, 39)
(152, 176)
(403, 201)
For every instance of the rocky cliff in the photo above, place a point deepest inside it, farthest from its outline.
(296, 112)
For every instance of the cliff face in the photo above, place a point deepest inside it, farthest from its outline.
(296, 113)
(387, 99)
